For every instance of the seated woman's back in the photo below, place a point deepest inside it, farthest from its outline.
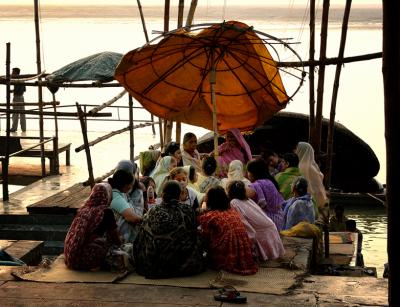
(167, 244)
(260, 228)
(228, 245)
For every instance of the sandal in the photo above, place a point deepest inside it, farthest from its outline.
(231, 295)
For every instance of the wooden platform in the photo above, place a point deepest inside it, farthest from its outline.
(64, 202)
(29, 252)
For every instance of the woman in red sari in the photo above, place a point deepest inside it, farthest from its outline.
(234, 148)
(228, 245)
(93, 231)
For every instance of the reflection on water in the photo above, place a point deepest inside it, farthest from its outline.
(372, 222)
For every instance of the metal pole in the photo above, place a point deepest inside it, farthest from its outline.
(40, 98)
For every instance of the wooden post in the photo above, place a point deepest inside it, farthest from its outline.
(147, 40)
(321, 77)
(168, 124)
(5, 161)
(81, 116)
(178, 129)
(311, 129)
(55, 146)
(190, 16)
(331, 128)
(131, 133)
(391, 78)
(40, 98)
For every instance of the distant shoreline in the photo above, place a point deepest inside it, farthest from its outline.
(360, 14)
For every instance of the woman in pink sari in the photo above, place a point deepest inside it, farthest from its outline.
(234, 148)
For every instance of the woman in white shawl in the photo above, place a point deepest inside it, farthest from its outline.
(310, 170)
(235, 172)
(161, 171)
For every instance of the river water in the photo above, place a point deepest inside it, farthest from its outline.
(71, 33)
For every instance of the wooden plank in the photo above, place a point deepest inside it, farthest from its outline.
(67, 201)
(28, 251)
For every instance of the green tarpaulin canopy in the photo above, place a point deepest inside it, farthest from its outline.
(97, 67)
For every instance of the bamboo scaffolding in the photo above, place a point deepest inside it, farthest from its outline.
(311, 128)
(86, 144)
(108, 103)
(331, 129)
(107, 136)
(391, 81)
(34, 104)
(168, 125)
(321, 78)
(40, 94)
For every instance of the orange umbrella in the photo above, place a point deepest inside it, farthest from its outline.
(218, 78)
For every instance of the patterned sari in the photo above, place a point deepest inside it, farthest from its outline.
(229, 246)
(167, 244)
(86, 244)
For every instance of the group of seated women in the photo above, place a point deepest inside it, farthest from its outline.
(223, 212)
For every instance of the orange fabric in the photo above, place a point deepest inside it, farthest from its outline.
(171, 79)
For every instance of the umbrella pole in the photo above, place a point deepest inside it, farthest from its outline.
(214, 103)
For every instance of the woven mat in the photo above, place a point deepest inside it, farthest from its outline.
(267, 280)
(59, 273)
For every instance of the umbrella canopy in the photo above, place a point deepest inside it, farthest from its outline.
(96, 67)
(174, 78)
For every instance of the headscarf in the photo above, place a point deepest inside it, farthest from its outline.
(87, 220)
(235, 172)
(127, 165)
(160, 172)
(228, 153)
(310, 170)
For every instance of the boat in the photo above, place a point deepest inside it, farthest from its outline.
(354, 163)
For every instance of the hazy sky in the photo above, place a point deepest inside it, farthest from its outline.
(187, 2)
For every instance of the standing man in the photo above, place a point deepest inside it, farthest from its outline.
(18, 102)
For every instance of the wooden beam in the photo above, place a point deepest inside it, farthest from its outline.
(391, 78)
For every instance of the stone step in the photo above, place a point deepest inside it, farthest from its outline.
(33, 232)
(53, 247)
(36, 219)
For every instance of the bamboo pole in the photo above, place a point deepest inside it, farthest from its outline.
(55, 146)
(142, 19)
(107, 104)
(331, 126)
(178, 129)
(168, 125)
(147, 41)
(321, 78)
(190, 16)
(5, 161)
(391, 78)
(86, 144)
(332, 61)
(68, 114)
(40, 98)
(107, 136)
(311, 128)
(131, 134)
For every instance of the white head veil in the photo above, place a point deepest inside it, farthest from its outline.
(310, 170)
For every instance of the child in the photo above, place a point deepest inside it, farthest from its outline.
(352, 227)
(209, 167)
(338, 221)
